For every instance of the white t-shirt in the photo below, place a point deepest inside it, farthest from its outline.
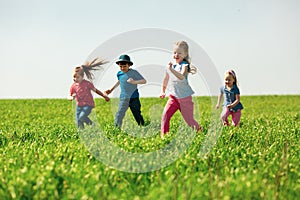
(179, 88)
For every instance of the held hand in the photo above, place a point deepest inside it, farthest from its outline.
(106, 98)
(107, 92)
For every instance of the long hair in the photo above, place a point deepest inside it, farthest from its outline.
(232, 73)
(184, 45)
(89, 67)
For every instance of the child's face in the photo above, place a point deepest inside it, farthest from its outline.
(179, 54)
(229, 80)
(124, 66)
(77, 78)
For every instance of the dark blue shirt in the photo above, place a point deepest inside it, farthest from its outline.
(229, 97)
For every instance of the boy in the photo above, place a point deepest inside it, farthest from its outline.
(129, 96)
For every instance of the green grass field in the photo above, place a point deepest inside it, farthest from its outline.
(43, 157)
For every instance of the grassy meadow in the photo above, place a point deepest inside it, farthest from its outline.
(42, 154)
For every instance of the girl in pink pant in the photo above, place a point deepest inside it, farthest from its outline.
(176, 78)
(232, 105)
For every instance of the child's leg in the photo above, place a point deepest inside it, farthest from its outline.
(123, 106)
(135, 107)
(236, 116)
(224, 116)
(83, 114)
(187, 111)
(171, 107)
(87, 111)
(78, 112)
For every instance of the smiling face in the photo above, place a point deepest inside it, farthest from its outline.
(229, 80)
(179, 54)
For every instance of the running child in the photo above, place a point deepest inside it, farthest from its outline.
(81, 91)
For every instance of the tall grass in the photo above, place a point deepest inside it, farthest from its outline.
(42, 155)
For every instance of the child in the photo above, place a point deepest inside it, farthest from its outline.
(232, 105)
(81, 90)
(180, 97)
(129, 97)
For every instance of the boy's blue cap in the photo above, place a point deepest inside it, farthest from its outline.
(124, 58)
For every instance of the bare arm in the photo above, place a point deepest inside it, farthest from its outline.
(180, 75)
(71, 97)
(219, 100)
(132, 81)
(101, 94)
(112, 89)
(237, 100)
(164, 86)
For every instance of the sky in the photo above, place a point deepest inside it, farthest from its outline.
(42, 41)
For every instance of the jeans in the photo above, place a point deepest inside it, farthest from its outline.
(82, 113)
(135, 107)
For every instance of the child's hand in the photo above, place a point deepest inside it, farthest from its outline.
(71, 97)
(130, 80)
(229, 106)
(217, 106)
(170, 65)
(106, 98)
(162, 95)
(107, 92)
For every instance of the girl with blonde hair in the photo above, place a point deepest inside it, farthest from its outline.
(180, 98)
(232, 105)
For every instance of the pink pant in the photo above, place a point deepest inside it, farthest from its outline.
(236, 116)
(186, 107)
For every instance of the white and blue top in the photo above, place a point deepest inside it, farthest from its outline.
(179, 88)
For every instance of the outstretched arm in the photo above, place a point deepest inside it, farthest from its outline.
(219, 100)
(101, 94)
(107, 92)
(164, 86)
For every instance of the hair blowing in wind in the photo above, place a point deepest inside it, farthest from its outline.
(89, 67)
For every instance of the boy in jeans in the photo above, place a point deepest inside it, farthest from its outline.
(128, 79)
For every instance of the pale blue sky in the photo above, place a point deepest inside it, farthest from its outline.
(42, 41)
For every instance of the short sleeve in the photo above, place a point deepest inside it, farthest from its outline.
(137, 75)
(236, 91)
(119, 74)
(91, 85)
(72, 90)
(221, 90)
(187, 66)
